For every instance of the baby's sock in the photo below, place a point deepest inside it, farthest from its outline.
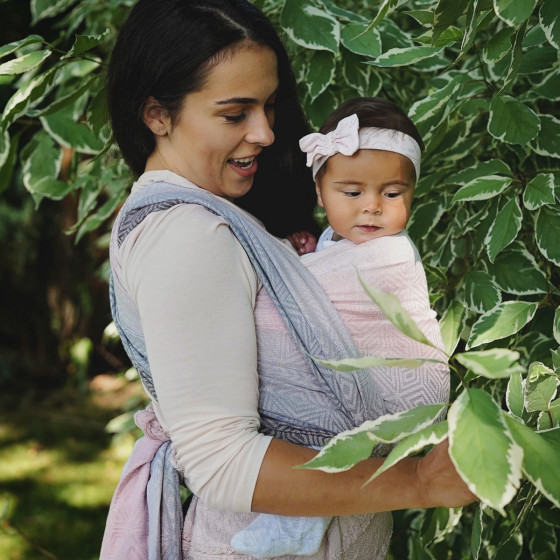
(274, 535)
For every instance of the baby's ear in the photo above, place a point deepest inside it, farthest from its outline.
(156, 118)
(318, 191)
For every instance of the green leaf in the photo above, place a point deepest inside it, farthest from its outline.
(550, 418)
(445, 14)
(480, 169)
(493, 364)
(498, 45)
(425, 216)
(481, 293)
(412, 444)
(42, 9)
(515, 394)
(539, 191)
(511, 121)
(386, 9)
(67, 132)
(556, 325)
(549, 88)
(549, 18)
(451, 325)
(351, 364)
(344, 450)
(547, 143)
(547, 233)
(540, 459)
(396, 313)
(516, 58)
(540, 387)
(342, 14)
(310, 27)
(482, 450)
(8, 158)
(84, 43)
(516, 271)
(9, 48)
(505, 319)
(321, 107)
(514, 12)
(24, 63)
(504, 229)
(482, 188)
(404, 56)
(28, 95)
(320, 74)
(359, 41)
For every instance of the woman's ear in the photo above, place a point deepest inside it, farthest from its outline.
(156, 118)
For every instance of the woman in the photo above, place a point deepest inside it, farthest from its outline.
(203, 105)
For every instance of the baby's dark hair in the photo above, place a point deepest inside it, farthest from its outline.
(373, 112)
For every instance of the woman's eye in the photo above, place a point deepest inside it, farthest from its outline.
(235, 118)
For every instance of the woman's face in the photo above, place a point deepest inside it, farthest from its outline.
(223, 127)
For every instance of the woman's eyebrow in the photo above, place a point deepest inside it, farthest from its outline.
(238, 100)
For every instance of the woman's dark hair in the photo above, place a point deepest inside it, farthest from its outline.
(376, 112)
(165, 49)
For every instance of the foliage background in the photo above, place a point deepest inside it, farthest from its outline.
(481, 80)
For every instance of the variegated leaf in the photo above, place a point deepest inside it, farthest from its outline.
(482, 188)
(505, 228)
(451, 325)
(493, 364)
(547, 233)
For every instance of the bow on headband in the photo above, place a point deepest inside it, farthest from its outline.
(347, 138)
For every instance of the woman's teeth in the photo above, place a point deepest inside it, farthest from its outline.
(243, 163)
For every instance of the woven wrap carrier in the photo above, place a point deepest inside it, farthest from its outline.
(150, 483)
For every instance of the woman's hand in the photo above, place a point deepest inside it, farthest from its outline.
(439, 481)
(303, 242)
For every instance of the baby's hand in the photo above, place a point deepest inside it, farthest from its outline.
(303, 242)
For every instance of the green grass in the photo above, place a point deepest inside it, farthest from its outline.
(58, 470)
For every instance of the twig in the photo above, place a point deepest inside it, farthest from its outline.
(37, 547)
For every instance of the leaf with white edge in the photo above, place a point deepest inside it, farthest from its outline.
(516, 271)
(425, 217)
(24, 63)
(549, 88)
(498, 46)
(511, 121)
(437, 103)
(540, 387)
(396, 313)
(482, 188)
(41, 162)
(28, 95)
(356, 38)
(351, 364)
(41, 9)
(404, 56)
(515, 394)
(505, 228)
(539, 191)
(547, 142)
(344, 450)
(541, 458)
(321, 73)
(514, 12)
(556, 325)
(547, 233)
(310, 27)
(451, 325)
(386, 9)
(549, 18)
(412, 444)
(482, 450)
(342, 14)
(495, 363)
(550, 418)
(446, 13)
(505, 319)
(479, 170)
(49, 187)
(84, 43)
(480, 292)
(516, 58)
(9, 48)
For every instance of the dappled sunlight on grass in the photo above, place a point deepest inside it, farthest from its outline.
(58, 470)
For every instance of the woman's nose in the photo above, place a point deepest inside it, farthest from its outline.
(261, 131)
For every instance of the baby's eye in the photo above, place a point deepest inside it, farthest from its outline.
(351, 194)
(392, 194)
(235, 118)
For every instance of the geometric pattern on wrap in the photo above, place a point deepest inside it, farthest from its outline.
(346, 399)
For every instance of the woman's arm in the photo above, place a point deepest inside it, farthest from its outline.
(427, 482)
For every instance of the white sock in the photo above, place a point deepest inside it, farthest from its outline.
(274, 535)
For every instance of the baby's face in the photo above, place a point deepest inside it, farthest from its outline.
(366, 195)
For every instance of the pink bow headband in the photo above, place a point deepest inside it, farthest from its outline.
(348, 137)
